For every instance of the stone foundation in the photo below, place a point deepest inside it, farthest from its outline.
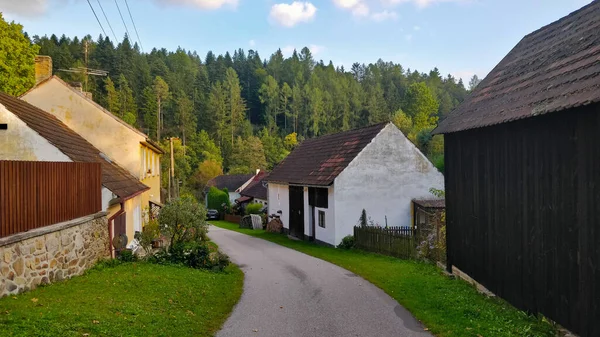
(52, 253)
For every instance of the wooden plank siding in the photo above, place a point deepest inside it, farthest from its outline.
(523, 213)
(399, 242)
(37, 194)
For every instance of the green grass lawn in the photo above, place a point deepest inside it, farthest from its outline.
(447, 307)
(131, 299)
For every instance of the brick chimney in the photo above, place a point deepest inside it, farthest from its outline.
(43, 68)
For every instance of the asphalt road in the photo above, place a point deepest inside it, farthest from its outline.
(288, 293)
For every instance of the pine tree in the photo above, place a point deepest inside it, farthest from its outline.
(236, 108)
(269, 96)
(161, 92)
(112, 97)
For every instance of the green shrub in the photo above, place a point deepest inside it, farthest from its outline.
(217, 198)
(194, 255)
(150, 232)
(183, 221)
(347, 242)
(254, 209)
(127, 255)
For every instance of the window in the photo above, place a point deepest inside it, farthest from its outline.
(318, 197)
(322, 219)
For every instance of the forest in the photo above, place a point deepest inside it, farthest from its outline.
(239, 112)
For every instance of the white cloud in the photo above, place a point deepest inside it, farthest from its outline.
(360, 10)
(421, 3)
(417, 28)
(347, 4)
(252, 43)
(314, 49)
(357, 7)
(408, 37)
(289, 15)
(201, 4)
(24, 7)
(384, 15)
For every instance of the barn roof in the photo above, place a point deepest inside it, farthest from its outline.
(115, 178)
(230, 181)
(256, 189)
(554, 68)
(318, 161)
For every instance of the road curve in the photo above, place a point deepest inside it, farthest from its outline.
(288, 293)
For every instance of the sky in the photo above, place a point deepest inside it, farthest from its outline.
(459, 37)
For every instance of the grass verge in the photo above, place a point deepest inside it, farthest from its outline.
(130, 299)
(447, 307)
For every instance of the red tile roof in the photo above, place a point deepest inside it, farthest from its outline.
(256, 189)
(115, 178)
(554, 68)
(318, 161)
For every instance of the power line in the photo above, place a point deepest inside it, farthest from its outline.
(109, 25)
(93, 11)
(119, 9)
(134, 27)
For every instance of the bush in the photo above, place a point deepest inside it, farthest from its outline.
(127, 255)
(183, 221)
(254, 209)
(150, 232)
(194, 255)
(347, 242)
(217, 198)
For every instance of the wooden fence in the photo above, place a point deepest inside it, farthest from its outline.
(37, 194)
(394, 241)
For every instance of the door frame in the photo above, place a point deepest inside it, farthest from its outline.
(296, 214)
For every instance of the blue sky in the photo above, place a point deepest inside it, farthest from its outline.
(461, 37)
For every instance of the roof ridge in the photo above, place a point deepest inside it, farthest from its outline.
(381, 124)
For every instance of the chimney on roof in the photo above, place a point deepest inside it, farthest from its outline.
(43, 68)
(77, 86)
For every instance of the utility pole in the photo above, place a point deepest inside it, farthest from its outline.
(172, 170)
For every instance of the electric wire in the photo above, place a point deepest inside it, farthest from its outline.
(109, 25)
(93, 11)
(124, 24)
(134, 27)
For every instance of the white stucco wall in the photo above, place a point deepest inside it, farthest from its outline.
(107, 196)
(111, 136)
(327, 234)
(19, 142)
(233, 196)
(279, 201)
(383, 179)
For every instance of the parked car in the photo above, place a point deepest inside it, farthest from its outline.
(212, 214)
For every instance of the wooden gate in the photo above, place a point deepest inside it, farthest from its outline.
(296, 220)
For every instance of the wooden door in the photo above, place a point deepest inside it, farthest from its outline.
(296, 219)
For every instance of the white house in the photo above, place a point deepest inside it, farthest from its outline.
(321, 188)
(234, 183)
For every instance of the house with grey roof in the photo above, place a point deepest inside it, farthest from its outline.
(321, 188)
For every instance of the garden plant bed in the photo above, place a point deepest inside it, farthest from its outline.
(129, 299)
(446, 306)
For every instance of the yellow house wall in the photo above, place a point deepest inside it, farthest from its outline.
(110, 135)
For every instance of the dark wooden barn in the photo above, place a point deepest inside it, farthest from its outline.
(523, 175)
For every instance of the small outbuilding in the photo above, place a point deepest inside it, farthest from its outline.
(321, 188)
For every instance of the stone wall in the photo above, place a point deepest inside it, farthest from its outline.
(52, 253)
